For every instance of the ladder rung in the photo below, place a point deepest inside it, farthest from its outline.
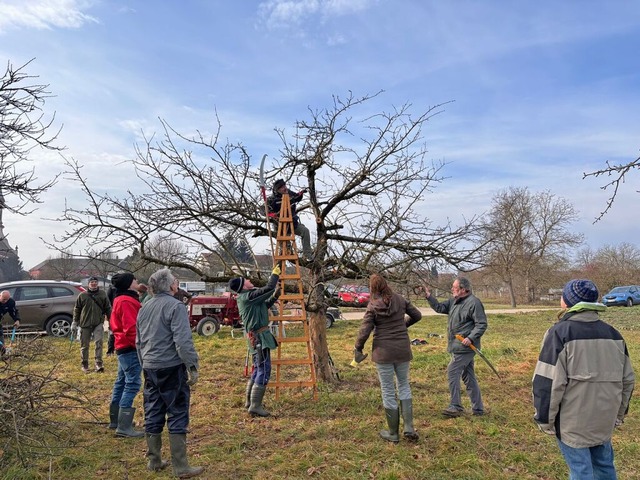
(291, 296)
(292, 339)
(291, 361)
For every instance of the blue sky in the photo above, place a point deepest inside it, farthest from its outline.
(541, 91)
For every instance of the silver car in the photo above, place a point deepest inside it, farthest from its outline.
(45, 305)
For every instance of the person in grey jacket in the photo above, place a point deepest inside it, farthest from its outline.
(391, 352)
(466, 318)
(170, 367)
(582, 383)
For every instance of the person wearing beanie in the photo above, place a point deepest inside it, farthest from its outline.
(254, 304)
(90, 311)
(126, 306)
(582, 383)
(274, 203)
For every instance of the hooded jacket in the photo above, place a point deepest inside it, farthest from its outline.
(253, 306)
(583, 379)
(391, 342)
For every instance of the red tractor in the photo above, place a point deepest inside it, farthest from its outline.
(207, 313)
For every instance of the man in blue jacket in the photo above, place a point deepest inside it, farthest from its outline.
(466, 318)
(582, 383)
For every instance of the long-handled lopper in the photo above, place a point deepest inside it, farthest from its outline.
(473, 347)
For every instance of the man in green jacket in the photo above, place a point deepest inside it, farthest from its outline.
(466, 318)
(92, 308)
(253, 304)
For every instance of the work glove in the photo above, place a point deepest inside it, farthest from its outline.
(192, 376)
(16, 324)
(358, 356)
(276, 270)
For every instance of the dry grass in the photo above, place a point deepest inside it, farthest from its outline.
(336, 436)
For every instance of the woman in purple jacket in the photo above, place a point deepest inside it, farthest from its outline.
(391, 352)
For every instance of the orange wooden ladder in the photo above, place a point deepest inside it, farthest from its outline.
(287, 251)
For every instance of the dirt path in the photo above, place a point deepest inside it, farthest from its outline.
(429, 311)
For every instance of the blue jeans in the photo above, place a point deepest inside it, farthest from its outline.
(128, 381)
(166, 398)
(590, 463)
(261, 367)
(387, 374)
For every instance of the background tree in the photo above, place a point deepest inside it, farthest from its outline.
(619, 173)
(367, 178)
(610, 266)
(526, 234)
(23, 127)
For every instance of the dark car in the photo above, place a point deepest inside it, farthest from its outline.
(45, 304)
(628, 295)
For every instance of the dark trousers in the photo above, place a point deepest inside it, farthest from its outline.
(261, 367)
(166, 397)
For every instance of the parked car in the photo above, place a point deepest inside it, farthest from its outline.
(628, 296)
(45, 304)
(354, 293)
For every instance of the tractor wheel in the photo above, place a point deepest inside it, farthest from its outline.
(208, 326)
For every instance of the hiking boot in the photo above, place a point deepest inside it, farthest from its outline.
(85, 368)
(452, 412)
(479, 413)
(99, 368)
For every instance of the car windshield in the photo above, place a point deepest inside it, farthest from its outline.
(618, 290)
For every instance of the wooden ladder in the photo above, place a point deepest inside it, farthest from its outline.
(292, 350)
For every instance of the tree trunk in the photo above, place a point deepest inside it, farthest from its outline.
(512, 293)
(325, 371)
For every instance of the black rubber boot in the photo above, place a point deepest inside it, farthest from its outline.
(393, 420)
(125, 424)
(114, 409)
(257, 394)
(247, 402)
(181, 468)
(406, 406)
(154, 452)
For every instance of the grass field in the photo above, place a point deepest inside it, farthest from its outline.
(337, 435)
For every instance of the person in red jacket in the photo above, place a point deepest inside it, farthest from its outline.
(128, 381)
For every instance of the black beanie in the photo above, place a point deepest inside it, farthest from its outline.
(236, 284)
(279, 183)
(122, 281)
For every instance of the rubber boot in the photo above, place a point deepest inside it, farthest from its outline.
(247, 402)
(125, 422)
(393, 420)
(257, 394)
(154, 452)
(181, 468)
(406, 406)
(114, 409)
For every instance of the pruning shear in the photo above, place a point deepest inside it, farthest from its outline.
(473, 347)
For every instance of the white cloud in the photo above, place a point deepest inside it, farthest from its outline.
(44, 14)
(288, 13)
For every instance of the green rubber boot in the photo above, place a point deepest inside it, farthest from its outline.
(406, 407)
(181, 468)
(256, 408)
(125, 424)
(154, 452)
(114, 409)
(247, 402)
(393, 420)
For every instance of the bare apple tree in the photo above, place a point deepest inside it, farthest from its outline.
(368, 182)
(619, 174)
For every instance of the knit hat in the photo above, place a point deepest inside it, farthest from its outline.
(279, 183)
(93, 279)
(577, 291)
(122, 281)
(236, 284)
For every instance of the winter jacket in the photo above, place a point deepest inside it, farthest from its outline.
(90, 308)
(254, 311)
(9, 307)
(583, 379)
(123, 321)
(391, 342)
(164, 337)
(275, 203)
(466, 318)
